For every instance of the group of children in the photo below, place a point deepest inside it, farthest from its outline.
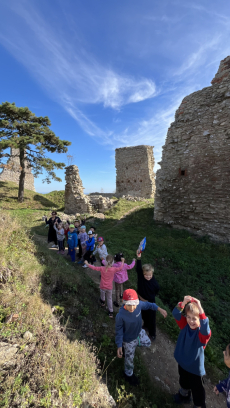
(140, 306)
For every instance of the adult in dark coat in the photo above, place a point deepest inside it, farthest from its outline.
(52, 235)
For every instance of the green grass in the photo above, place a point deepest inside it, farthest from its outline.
(32, 200)
(184, 265)
(40, 280)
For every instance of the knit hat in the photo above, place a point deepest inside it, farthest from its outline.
(71, 226)
(83, 227)
(90, 233)
(99, 239)
(130, 297)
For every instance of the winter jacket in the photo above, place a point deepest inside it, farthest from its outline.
(121, 276)
(147, 289)
(129, 324)
(224, 386)
(106, 275)
(90, 244)
(60, 233)
(72, 240)
(189, 352)
(83, 236)
(102, 251)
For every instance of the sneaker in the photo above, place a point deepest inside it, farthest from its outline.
(132, 379)
(63, 252)
(116, 304)
(179, 399)
(80, 262)
(111, 315)
(121, 296)
(102, 302)
(84, 266)
(53, 246)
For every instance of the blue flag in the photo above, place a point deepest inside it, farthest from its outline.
(142, 245)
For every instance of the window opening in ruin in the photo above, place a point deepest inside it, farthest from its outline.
(182, 172)
(141, 181)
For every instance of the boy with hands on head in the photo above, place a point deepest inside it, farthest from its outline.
(129, 332)
(189, 353)
(224, 386)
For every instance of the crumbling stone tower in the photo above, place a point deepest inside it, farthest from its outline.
(135, 174)
(193, 184)
(11, 172)
(75, 199)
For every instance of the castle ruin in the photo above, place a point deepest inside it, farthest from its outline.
(193, 184)
(75, 199)
(11, 171)
(135, 176)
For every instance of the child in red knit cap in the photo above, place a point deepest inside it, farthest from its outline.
(129, 332)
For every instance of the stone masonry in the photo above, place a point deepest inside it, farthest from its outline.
(75, 199)
(193, 184)
(135, 174)
(11, 171)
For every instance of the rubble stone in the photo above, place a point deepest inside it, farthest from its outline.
(135, 176)
(193, 184)
(11, 171)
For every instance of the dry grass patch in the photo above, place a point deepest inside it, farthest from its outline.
(48, 370)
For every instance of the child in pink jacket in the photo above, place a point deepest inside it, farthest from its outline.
(120, 277)
(106, 284)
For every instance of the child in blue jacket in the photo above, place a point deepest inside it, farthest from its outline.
(89, 249)
(72, 242)
(129, 332)
(224, 386)
(189, 353)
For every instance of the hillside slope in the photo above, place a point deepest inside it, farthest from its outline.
(33, 200)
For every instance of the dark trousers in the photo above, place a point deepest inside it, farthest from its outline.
(195, 383)
(72, 253)
(86, 257)
(149, 317)
(60, 245)
(80, 249)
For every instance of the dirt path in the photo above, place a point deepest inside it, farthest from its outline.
(159, 358)
(161, 364)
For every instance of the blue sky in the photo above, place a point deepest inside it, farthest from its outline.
(108, 73)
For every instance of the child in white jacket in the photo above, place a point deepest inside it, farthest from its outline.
(101, 250)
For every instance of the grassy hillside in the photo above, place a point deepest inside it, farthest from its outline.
(9, 197)
(50, 369)
(58, 366)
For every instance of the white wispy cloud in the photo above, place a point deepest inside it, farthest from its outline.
(67, 70)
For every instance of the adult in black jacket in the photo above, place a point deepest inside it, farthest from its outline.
(52, 235)
(147, 289)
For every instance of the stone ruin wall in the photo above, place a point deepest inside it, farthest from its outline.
(75, 199)
(11, 172)
(135, 176)
(193, 184)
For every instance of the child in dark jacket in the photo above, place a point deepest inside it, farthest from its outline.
(89, 249)
(224, 386)
(147, 289)
(189, 353)
(72, 242)
(129, 333)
